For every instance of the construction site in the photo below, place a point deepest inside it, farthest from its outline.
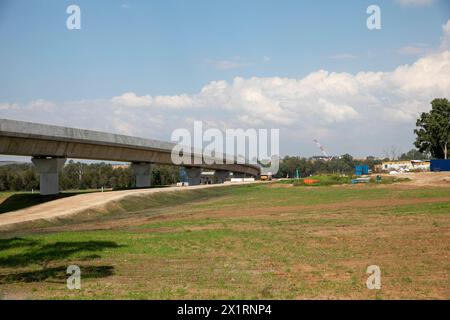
(236, 231)
(232, 158)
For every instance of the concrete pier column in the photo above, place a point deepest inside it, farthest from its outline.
(221, 176)
(193, 176)
(48, 169)
(142, 172)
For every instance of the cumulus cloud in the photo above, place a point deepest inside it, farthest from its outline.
(421, 49)
(177, 101)
(321, 98)
(131, 99)
(8, 106)
(445, 40)
(41, 104)
(341, 108)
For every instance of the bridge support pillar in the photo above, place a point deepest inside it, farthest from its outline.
(142, 172)
(221, 176)
(193, 176)
(48, 169)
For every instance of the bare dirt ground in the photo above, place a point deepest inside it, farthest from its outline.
(76, 204)
(72, 205)
(432, 179)
(316, 246)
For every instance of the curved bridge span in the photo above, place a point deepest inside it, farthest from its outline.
(50, 146)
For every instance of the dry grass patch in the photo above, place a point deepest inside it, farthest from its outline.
(318, 245)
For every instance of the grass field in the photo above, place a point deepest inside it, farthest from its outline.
(254, 241)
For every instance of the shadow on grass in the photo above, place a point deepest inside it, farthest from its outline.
(24, 200)
(6, 244)
(56, 274)
(34, 252)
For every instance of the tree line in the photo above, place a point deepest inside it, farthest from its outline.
(82, 176)
(345, 164)
(432, 141)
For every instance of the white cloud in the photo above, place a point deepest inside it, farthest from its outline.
(445, 39)
(414, 50)
(321, 98)
(178, 101)
(336, 113)
(9, 106)
(338, 107)
(427, 77)
(414, 2)
(41, 104)
(423, 49)
(130, 99)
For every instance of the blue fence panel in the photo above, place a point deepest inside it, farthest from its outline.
(440, 165)
(361, 169)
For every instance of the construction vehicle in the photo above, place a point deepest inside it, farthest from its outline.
(266, 177)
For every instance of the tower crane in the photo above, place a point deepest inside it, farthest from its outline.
(322, 149)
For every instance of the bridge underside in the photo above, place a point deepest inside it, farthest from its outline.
(49, 151)
(76, 150)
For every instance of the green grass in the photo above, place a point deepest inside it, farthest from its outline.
(326, 180)
(334, 179)
(261, 196)
(223, 243)
(429, 209)
(245, 197)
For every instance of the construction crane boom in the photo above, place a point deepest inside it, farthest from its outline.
(321, 148)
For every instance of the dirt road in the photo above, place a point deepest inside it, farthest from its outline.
(72, 205)
(432, 179)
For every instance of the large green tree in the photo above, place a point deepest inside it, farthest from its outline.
(433, 129)
(413, 154)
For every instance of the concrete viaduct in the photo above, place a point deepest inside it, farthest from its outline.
(50, 146)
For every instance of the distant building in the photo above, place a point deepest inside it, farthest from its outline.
(407, 165)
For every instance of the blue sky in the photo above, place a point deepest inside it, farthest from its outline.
(171, 48)
(163, 47)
